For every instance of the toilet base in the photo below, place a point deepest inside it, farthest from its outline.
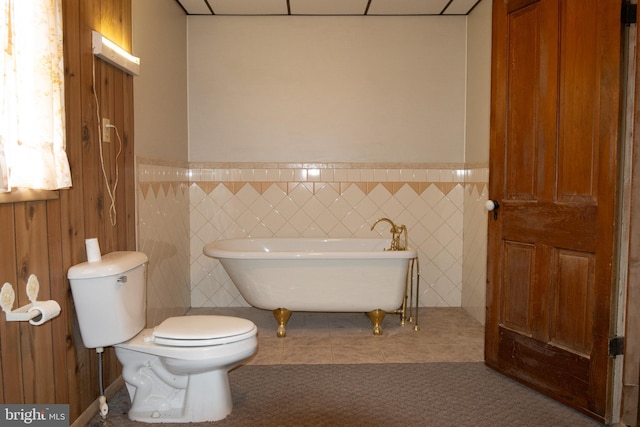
(180, 384)
(214, 405)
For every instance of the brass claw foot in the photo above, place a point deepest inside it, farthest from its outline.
(282, 315)
(376, 316)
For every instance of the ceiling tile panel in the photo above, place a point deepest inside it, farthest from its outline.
(407, 7)
(460, 7)
(249, 7)
(328, 7)
(195, 7)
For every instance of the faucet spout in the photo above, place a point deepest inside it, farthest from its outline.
(393, 226)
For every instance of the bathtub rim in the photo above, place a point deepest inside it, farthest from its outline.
(217, 250)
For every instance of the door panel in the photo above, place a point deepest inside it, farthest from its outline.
(528, 355)
(572, 292)
(554, 137)
(519, 268)
(577, 104)
(523, 118)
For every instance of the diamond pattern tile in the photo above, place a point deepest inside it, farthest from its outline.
(163, 234)
(445, 219)
(328, 213)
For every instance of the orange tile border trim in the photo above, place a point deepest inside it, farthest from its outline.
(313, 187)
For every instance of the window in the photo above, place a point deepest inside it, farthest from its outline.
(32, 124)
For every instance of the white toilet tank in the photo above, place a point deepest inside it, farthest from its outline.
(110, 297)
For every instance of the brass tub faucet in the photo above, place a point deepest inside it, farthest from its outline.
(396, 232)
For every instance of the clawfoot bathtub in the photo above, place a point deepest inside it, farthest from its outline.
(317, 274)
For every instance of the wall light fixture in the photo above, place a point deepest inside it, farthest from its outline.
(115, 55)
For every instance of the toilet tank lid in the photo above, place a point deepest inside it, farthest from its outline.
(112, 263)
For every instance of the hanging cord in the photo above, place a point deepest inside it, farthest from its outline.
(110, 191)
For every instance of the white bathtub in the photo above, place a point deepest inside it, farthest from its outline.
(316, 274)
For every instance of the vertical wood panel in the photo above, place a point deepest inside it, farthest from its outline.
(130, 171)
(572, 285)
(92, 192)
(522, 114)
(10, 360)
(91, 72)
(532, 88)
(109, 104)
(126, 30)
(117, 115)
(36, 342)
(46, 238)
(577, 104)
(71, 202)
(520, 260)
(60, 326)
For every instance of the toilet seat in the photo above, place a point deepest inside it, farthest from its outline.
(202, 330)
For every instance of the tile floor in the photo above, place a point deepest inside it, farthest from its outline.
(444, 335)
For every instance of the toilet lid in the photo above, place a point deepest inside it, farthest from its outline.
(203, 330)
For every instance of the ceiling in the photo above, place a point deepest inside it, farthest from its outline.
(328, 7)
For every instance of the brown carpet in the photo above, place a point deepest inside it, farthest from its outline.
(430, 394)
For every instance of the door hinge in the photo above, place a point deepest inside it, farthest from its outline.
(616, 346)
(628, 13)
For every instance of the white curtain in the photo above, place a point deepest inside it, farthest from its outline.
(32, 126)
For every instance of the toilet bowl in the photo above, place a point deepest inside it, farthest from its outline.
(176, 372)
(185, 379)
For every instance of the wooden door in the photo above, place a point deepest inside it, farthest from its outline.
(554, 138)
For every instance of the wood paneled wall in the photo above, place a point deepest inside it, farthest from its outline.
(48, 363)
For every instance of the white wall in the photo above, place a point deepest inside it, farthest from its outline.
(160, 92)
(474, 268)
(161, 145)
(322, 89)
(478, 84)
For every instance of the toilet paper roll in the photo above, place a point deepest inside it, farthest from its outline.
(43, 311)
(93, 250)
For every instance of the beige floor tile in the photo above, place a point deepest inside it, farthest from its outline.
(306, 341)
(267, 355)
(362, 340)
(444, 335)
(312, 333)
(351, 332)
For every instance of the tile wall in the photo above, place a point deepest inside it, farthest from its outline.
(163, 234)
(309, 200)
(474, 253)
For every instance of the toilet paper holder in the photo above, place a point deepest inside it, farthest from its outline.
(36, 313)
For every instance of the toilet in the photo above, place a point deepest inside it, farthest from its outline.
(176, 372)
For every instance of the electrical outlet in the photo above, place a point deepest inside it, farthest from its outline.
(106, 130)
